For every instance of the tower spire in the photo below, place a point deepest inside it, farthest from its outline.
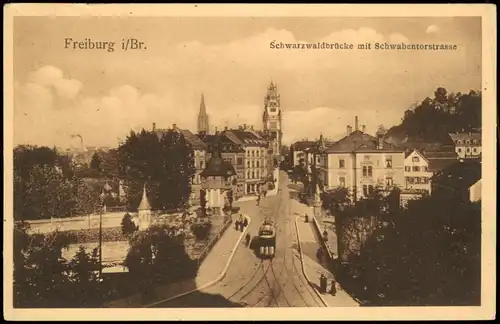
(203, 125)
(144, 205)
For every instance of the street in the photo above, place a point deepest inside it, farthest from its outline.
(252, 282)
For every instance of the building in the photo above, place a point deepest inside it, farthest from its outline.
(298, 151)
(460, 180)
(467, 145)
(217, 179)
(417, 174)
(272, 122)
(258, 157)
(362, 162)
(200, 158)
(231, 153)
(203, 121)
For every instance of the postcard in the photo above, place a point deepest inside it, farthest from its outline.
(221, 162)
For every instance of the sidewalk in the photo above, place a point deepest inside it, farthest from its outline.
(313, 268)
(211, 270)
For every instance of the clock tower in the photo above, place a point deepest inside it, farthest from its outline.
(272, 120)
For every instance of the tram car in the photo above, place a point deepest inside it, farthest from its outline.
(267, 239)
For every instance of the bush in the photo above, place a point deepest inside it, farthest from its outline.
(201, 230)
(128, 225)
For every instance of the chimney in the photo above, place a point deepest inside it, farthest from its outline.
(225, 128)
(154, 127)
(363, 128)
(174, 126)
(349, 130)
(356, 123)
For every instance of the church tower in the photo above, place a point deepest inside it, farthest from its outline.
(272, 119)
(203, 126)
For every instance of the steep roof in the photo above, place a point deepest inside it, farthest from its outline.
(192, 139)
(360, 142)
(217, 167)
(223, 142)
(244, 137)
(302, 145)
(144, 205)
(465, 136)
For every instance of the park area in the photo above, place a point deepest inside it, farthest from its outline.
(115, 245)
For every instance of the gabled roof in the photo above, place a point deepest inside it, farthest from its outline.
(144, 205)
(302, 145)
(224, 143)
(360, 142)
(420, 154)
(192, 139)
(243, 137)
(465, 136)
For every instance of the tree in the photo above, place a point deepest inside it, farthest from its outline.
(84, 269)
(95, 162)
(128, 226)
(45, 193)
(110, 167)
(40, 275)
(165, 163)
(158, 254)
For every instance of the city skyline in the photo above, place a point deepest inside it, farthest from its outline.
(121, 91)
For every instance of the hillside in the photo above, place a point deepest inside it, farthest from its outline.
(432, 119)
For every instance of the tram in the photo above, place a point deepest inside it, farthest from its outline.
(267, 239)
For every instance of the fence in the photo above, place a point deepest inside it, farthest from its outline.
(323, 243)
(213, 241)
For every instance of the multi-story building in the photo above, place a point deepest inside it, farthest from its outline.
(200, 158)
(417, 174)
(231, 153)
(298, 151)
(257, 157)
(362, 162)
(467, 145)
(271, 119)
(460, 180)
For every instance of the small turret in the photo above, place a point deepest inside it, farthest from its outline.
(144, 211)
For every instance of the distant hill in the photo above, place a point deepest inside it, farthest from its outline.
(432, 119)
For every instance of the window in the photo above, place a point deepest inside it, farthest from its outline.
(365, 172)
(370, 189)
(388, 163)
(415, 159)
(416, 168)
(248, 164)
(273, 109)
(365, 190)
(257, 164)
(342, 181)
(253, 153)
(253, 174)
(389, 182)
(239, 161)
(408, 168)
(468, 150)
(459, 142)
(474, 150)
(248, 175)
(424, 169)
(257, 153)
(370, 171)
(341, 163)
(468, 142)
(459, 150)
(253, 164)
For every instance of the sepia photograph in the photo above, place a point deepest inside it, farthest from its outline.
(180, 160)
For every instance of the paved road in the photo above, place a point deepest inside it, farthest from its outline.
(251, 282)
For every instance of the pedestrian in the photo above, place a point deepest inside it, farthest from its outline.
(319, 254)
(333, 288)
(236, 224)
(245, 222)
(247, 238)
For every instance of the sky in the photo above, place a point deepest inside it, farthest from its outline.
(101, 95)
